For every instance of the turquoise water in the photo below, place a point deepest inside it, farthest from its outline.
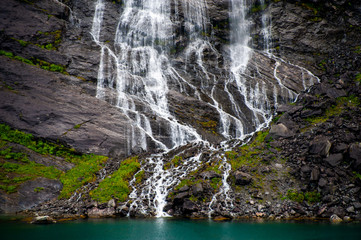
(175, 229)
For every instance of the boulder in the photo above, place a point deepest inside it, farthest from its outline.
(189, 206)
(197, 189)
(334, 159)
(100, 213)
(43, 220)
(355, 154)
(320, 146)
(242, 178)
(315, 174)
(280, 130)
(335, 219)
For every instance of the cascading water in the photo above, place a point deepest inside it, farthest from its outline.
(138, 71)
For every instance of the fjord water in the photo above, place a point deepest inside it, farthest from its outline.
(175, 229)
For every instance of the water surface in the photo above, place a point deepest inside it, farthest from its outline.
(176, 229)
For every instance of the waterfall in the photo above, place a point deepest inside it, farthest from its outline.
(143, 66)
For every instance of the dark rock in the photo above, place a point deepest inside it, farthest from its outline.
(242, 178)
(197, 189)
(320, 146)
(181, 196)
(357, 205)
(322, 182)
(184, 188)
(334, 159)
(335, 93)
(306, 169)
(341, 148)
(31, 194)
(189, 206)
(315, 175)
(355, 154)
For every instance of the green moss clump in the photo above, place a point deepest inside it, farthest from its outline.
(216, 183)
(117, 185)
(358, 78)
(14, 174)
(209, 124)
(248, 154)
(337, 109)
(139, 176)
(36, 62)
(296, 196)
(81, 174)
(86, 165)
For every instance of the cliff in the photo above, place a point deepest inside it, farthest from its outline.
(75, 75)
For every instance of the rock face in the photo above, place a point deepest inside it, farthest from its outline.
(30, 194)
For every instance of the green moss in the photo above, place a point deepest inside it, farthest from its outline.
(258, 8)
(36, 62)
(216, 183)
(84, 171)
(116, 186)
(139, 176)
(249, 154)
(337, 109)
(357, 50)
(175, 162)
(209, 124)
(184, 182)
(358, 78)
(38, 189)
(296, 196)
(14, 174)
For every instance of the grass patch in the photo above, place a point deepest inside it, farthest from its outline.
(175, 162)
(36, 62)
(117, 185)
(86, 165)
(296, 196)
(248, 154)
(12, 175)
(335, 110)
(139, 176)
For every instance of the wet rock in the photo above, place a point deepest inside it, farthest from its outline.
(335, 219)
(242, 178)
(320, 146)
(43, 220)
(334, 159)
